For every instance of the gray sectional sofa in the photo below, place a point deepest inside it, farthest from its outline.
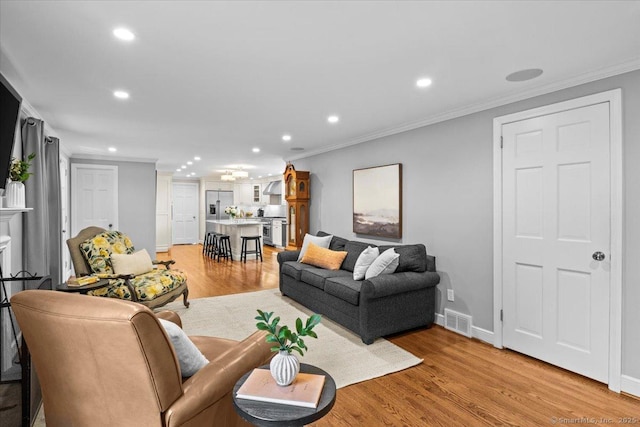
(382, 305)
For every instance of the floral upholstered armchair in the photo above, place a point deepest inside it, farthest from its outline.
(132, 275)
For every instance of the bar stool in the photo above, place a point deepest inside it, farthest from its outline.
(257, 251)
(209, 247)
(224, 247)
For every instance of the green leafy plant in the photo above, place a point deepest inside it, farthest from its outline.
(286, 339)
(19, 170)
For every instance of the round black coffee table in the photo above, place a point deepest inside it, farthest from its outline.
(276, 414)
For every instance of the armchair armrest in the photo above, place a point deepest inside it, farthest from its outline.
(218, 378)
(389, 284)
(166, 263)
(169, 315)
(287, 256)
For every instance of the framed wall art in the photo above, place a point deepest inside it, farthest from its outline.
(377, 201)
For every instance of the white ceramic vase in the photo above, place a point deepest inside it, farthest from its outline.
(284, 367)
(14, 194)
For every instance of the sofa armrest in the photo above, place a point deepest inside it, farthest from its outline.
(390, 284)
(287, 256)
(217, 379)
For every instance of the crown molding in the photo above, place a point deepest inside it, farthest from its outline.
(602, 73)
(80, 156)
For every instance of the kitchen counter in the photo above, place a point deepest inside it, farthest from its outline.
(235, 222)
(235, 229)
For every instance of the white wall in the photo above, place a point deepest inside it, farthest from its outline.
(448, 194)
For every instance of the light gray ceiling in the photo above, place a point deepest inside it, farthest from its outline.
(216, 79)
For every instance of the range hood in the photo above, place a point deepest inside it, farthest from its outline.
(273, 188)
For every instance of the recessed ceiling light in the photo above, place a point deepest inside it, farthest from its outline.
(333, 119)
(196, 158)
(121, 94)
(178, 170)
(286, 137)
(112, 149)
(259, 176)
(189, 162)
(523, 75)
(183, 166)
(124, 34)
(256, 150)
(424, 82)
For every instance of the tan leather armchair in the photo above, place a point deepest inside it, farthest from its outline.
(108, 362)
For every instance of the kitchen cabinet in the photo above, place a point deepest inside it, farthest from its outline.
(257, 193)
(276, 233)
(243, 194)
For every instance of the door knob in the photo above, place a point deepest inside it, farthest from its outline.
(598, 256)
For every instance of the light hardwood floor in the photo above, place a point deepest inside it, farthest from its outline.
(462, 382)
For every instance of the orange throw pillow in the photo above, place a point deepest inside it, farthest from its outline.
(325, 258)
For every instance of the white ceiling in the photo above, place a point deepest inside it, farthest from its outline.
(216, 79)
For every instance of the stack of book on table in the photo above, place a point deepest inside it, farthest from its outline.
(304, 391)
(81, 281)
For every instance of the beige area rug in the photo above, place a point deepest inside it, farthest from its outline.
(337, 350)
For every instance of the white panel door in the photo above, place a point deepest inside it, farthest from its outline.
(556, 216)
(185, 213)
(64, 217)
(94, 197)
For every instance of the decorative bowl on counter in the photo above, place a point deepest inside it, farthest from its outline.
(248, 214)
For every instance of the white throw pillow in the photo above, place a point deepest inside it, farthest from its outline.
(386, 263)
(363, 262)
(136, 263)
(190, 358)
(323, 242)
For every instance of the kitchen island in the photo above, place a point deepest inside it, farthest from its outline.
(235, 229)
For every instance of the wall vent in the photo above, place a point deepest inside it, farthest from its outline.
(457, 322)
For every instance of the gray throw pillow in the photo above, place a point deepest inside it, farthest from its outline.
(190, 358)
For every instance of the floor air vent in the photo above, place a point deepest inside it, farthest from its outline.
(457, 322)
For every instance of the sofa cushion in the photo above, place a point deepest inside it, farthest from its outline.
(337, 243)
(354, 250)
(412, 257)
(386, 263)
(345, 288)
(323, 242)
(147, 286)
(294, 269)
(365, 259)
(316, 276)
(323, 258)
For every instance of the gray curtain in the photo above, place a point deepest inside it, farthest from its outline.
(41, 237)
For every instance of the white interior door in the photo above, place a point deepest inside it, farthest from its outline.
(64, 216)
(557, 238)
(94, 197)
(185, 213)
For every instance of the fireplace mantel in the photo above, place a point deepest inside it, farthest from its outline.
(7, 213)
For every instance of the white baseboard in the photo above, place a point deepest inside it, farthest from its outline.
(162, 248)
(630, 385)
(476, 332)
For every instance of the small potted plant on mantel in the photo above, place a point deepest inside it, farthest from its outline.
(285, 366)
(18, 174)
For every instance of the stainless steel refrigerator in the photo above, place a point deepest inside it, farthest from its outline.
(215, 202)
